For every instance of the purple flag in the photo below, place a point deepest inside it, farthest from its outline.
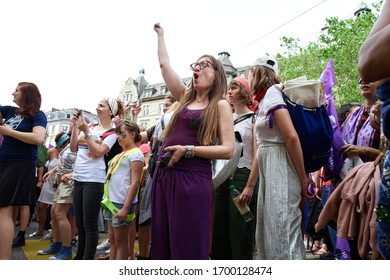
(336, 160)
(343, 245)
(329, 79)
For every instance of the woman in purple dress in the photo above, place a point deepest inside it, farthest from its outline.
(182, 191)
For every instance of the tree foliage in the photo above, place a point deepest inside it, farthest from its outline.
(341, 41)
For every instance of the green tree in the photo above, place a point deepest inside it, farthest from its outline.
(341, 41)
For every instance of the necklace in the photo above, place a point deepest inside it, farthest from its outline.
(200, 100)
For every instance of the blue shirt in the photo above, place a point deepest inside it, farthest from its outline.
(14, 149)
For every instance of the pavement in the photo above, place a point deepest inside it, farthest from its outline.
(18, 253)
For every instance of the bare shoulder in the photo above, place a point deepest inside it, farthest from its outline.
(52, 153)
(223, 104)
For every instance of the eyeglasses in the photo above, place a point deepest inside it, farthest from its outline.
(202, 65)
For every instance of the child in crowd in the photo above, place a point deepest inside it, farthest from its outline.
(122, 184)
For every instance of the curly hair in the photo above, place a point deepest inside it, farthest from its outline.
(244, 94)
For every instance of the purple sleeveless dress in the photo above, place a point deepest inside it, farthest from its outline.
(182, 198)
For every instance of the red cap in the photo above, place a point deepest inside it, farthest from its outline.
(243, 81)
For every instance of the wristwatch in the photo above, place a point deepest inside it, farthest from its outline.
(87, 136)
(190, 151)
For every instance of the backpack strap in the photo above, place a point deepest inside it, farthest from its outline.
(244, 117)
(236, 133)
(162, 122)
(108, 133)
(113, 165)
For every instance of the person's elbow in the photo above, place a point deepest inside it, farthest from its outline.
(98, 154)
(228, 152)
(37, 136)
(363, 68)
(38, 139)
(292, 139)
(368, 68)
(99, 151)
(164, 65)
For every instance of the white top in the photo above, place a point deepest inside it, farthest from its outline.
(47, 192)
(88, 168)
(67, 160)
(264, 133)
(121, 179)
(158, 129)
(245, 128)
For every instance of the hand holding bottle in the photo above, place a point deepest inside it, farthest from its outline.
(245, 211)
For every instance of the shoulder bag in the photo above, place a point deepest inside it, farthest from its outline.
(225, 168)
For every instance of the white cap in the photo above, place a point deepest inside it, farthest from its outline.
(267, 61)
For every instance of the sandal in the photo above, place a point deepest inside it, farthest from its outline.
(104, 257)
(321, 251)
(313, 249)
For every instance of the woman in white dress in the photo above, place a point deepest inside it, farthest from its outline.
(282, 179)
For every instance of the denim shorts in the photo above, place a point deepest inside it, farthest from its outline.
(108, 216)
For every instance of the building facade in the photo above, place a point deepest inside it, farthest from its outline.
(150, 98)
(59, 120)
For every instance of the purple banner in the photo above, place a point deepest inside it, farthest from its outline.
(329, 79)
(335, 160)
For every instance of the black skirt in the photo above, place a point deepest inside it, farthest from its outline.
(17, 183)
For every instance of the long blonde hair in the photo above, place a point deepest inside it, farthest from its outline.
(208, 130)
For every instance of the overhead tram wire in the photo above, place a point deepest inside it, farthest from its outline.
(342, 18)
(280, 26)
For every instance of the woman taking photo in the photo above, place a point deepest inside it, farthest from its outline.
(90, 172)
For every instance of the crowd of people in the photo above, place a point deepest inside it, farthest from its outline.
(158, 184)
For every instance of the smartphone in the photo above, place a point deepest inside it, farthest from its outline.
(164, 160)
(79, 112)
(139, 102)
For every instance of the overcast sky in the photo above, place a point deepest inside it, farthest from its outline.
(79, 51)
